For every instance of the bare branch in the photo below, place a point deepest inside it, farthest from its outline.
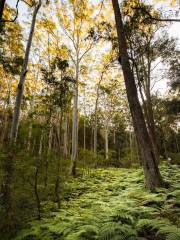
(14, 19)
(155, 18)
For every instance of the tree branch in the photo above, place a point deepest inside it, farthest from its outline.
(14, 19)
(155, 18)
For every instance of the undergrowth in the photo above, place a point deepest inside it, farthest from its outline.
(111, 204)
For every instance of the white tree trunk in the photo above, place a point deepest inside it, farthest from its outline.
(75, 125)
(106, 143)
(65, 137)
(20, 89)
(95, 129)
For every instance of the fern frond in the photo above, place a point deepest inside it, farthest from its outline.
(171, 231)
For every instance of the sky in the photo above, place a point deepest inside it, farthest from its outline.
(174, 28)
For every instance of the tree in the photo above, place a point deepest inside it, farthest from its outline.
(75, 18)
(153, 177)
(11, 57)
(20, 89)
(106, 64)
(147, 50)
(173, 71)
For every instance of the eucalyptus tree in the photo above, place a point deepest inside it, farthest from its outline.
(59, 80)
(75, 17)
(173, 71)
(20, 89)
(9, 163)
(153, 177)
(11, 57)
(102, 69)
(110, 103)
(148, 49)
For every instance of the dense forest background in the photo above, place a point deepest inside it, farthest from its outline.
(89, 96)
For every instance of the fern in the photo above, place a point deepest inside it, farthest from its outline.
(123, 217)
(111, 204)
(171, 232)
(162, 227)
(119, 231)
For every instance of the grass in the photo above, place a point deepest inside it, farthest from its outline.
(111, 204)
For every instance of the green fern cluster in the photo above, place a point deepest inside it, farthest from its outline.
(162, 227)
(111, 204)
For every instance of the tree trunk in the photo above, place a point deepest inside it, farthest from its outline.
(95, 129)
(29, 137)
(106, 144)
(58, 179)
(48, 154)
(57, 191)
(20, 89)
(2, 4)
(153, 177)
(84, 145)
(4, 128)
(65, 137)
(37, 193)
(75, 125)
(95, 113)
(151, 126)
(147, 107)
(131, 147)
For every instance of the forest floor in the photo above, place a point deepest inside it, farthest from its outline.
(111, 204)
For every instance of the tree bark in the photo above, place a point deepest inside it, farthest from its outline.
(48, 154)
(106, 143)
(152, 174)
(2, 4)
(65, 137)
(58, 178)
(151, 127)
(95, 126)
(37, 193)
(84, 144)
(144, 87)
(96, 115)
(75, 125)
(20, 89)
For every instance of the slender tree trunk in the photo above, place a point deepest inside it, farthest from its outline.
(29, 142)
(96, 115)
(2, 4)
(29, 136)
(58, 178)
(84, 145)
(114, 137)
(20, 89)
(48, 154)
(65, 137)
(95, 129)
(106, 143)
(131, 146)
(148, 110)
(4, 127)
(75, 125)
(151, 126)
(177, 145)
(36, 192)
(153, 177)
(84, 133)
